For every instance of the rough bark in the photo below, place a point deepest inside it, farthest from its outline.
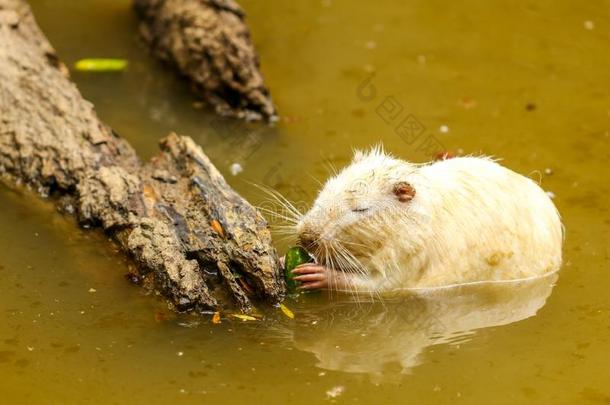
(196, 240)
(209, 43)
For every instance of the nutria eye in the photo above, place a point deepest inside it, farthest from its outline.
(360, 209)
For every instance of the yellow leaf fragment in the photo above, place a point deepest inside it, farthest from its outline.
(100, 65)
(217, 227)
(244, 317)
(216, 317)
(287, 311)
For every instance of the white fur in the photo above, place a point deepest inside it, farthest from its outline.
(470, 220)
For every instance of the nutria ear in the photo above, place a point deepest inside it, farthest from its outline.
(403, 191)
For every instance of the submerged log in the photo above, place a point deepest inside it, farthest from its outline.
(196, 240)
(209, 43)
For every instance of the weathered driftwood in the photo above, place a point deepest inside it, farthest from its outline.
(198, 242)
(209, 43)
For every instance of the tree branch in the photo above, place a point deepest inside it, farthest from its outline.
(209, 43)
(196, 240)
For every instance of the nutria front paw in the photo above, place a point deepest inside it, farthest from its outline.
(312, 276)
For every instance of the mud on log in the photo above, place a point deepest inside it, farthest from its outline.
(196, 240)
(209, 43)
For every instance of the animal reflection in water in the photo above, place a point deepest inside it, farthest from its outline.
(376, 337)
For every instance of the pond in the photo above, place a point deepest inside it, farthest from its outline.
(526, 83)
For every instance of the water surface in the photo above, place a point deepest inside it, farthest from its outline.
(527, 83)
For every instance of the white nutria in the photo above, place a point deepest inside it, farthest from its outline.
(384, 224)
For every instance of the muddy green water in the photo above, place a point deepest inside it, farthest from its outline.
(527, 82)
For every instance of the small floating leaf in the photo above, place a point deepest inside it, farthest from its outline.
(160, 316)
(243, 317)
(101, 65)
(287, 311)
(216, 318)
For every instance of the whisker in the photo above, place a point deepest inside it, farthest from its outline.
(284, 238)
(340, 257)
(275, 214)
(280, 229)
(316, 180)
(356, 268)
(330, 167)
(278, 197)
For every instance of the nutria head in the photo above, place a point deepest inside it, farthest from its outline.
(358, 210)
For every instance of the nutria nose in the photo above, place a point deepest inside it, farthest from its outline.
(308, 239)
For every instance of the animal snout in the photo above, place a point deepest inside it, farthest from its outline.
(308, 239)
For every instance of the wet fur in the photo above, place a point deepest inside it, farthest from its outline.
(469, 220)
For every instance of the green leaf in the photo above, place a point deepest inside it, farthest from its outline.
(101, 65)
